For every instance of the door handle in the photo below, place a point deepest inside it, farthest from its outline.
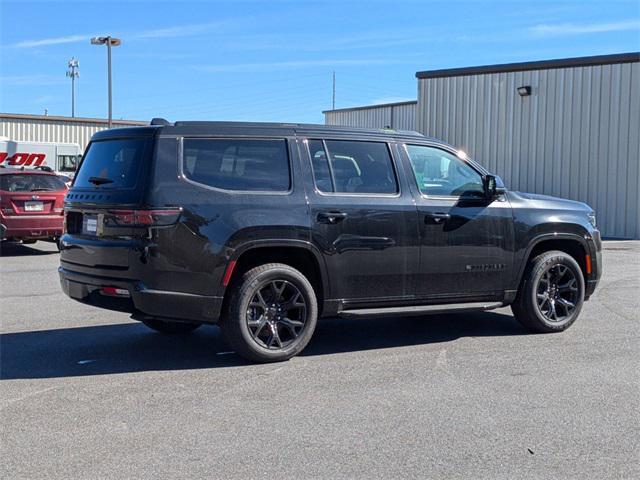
(438, 218)
(331, 217)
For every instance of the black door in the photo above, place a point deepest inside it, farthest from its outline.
(363, 219)
(466, 240)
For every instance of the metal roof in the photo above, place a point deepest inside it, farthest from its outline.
(538, 65)
(378, 105)
(54, 118)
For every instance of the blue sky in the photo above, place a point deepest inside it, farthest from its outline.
(272, 60)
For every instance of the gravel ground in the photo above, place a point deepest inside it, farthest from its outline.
(88, 393)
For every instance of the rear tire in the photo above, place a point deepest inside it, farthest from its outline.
(551, 294)
(271, 314)
(169, 327)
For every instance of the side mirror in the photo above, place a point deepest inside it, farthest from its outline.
(493, 186)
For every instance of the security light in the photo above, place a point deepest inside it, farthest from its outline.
(114, 42)
(524, 91)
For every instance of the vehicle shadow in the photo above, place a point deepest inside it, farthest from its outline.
(132, 347)
(10, 249)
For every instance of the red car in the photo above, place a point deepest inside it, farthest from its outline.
(31, 205)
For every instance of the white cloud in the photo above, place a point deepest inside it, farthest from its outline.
(560, 29)
(177, 31)
(270, 66)
(168, 32)
(51, 41)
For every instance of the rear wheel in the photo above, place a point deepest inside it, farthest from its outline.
(167, 326)
(271, 314)
(552, 293)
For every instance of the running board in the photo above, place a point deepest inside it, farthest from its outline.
(419, 310)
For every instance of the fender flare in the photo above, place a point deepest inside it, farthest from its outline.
(544, 237)
(293, 243)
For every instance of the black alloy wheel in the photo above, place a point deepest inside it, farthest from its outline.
(276, 315)
(557, 293)
(271, 313)
(551, 294)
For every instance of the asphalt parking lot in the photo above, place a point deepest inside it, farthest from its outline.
(88, 393)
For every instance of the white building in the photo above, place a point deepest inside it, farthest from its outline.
(44, 128)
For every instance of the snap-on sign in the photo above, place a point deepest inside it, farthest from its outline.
(23, 159)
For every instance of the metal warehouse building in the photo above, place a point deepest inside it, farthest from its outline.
(401, 116)
(44, 128)
(568, 128)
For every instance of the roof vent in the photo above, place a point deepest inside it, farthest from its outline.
(159, 121)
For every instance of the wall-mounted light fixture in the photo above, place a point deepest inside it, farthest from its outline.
(524, 91)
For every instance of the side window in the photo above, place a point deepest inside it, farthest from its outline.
(439, 173)
(353, 167)
(238, 164)
(67, 163)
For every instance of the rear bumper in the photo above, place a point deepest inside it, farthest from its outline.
(156, 303)
(31, 226)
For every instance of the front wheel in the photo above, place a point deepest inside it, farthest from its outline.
(169, 327)
(551, 294)
(271, 314)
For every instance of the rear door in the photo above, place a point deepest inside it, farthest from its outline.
(363, 219)
(466, 240)
(109, 185)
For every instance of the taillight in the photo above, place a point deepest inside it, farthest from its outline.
(145, 218)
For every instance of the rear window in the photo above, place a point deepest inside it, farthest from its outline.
(238, 164)
(112, 163)
(30, 183)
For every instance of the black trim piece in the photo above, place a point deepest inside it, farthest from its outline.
(369, 107)
(537, 65)
(420, 310)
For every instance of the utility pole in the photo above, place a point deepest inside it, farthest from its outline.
(73, 73)
(333, 103)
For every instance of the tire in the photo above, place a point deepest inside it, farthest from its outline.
(551, 283)
(263, 325)
(28, 242)
(169, 327)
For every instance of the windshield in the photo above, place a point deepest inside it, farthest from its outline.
(111, 163)
(30, 183)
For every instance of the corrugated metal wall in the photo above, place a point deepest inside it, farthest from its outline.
(400, 116)
(576, 136)
(52, 129)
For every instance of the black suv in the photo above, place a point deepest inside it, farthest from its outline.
(263, 228)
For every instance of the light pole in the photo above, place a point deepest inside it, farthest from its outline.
(109, 42)
(73, 73)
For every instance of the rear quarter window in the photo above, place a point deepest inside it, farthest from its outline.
(116, 161)
(238, 164)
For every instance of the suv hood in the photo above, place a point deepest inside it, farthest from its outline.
(545, 201)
